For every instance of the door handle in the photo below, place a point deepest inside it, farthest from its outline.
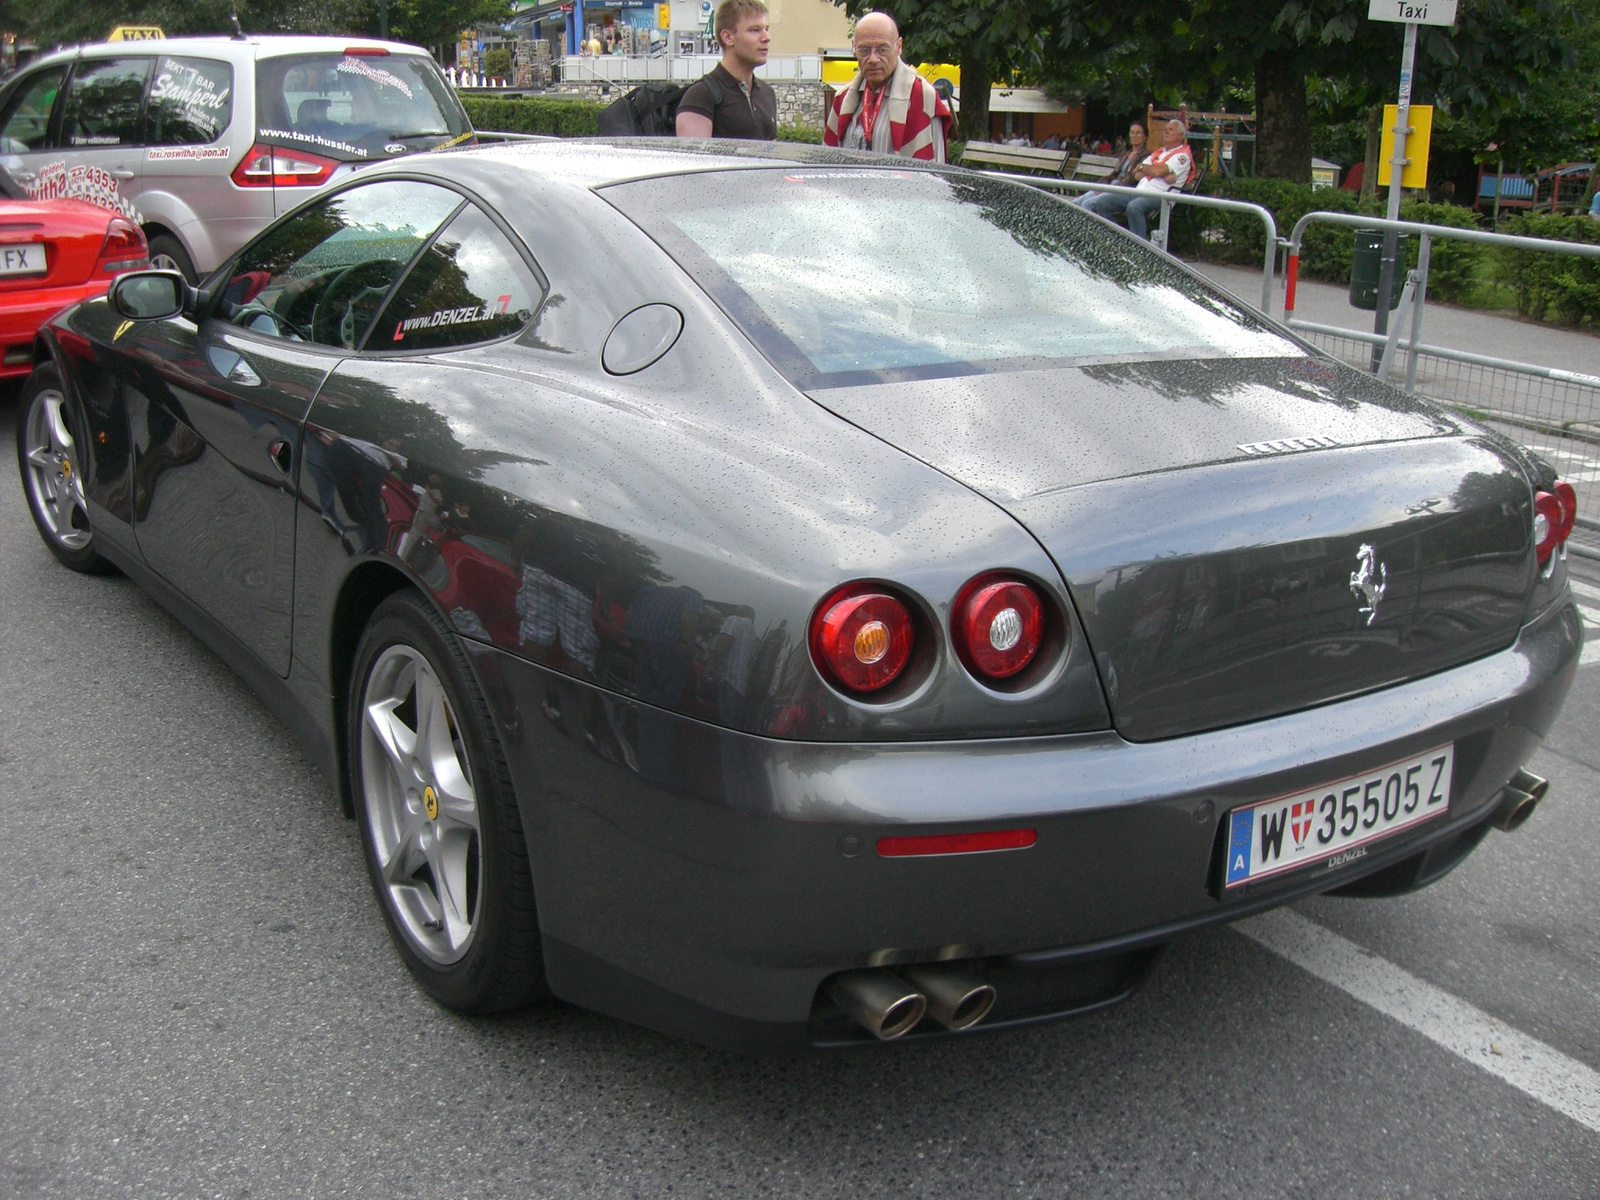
(121, 173)
(282, 457)
(24, 176)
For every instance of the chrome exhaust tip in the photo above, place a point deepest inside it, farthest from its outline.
(879, 1001)
(1535, 785)
(956, 999)
(1516, 806)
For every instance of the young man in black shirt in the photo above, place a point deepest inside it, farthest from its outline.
(731, 102)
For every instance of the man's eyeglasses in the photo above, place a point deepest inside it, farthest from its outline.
(864, 53)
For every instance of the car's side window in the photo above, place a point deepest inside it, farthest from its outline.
(26, 123)
(322, 274)
(471, 285)
(103, 102)
(191, 101)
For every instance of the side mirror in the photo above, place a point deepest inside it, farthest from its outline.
(150, 295)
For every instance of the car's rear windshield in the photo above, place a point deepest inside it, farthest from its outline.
(845, 276)
(356, 107)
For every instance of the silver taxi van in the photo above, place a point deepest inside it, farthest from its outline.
(204, 140)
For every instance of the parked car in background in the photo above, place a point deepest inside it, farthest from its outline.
(203, 141)
(54, 253)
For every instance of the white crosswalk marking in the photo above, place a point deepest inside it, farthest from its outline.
(1543, 1072)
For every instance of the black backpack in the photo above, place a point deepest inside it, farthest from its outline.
(650, 110)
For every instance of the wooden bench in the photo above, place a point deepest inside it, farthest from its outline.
(1095, 168)
(1013, 158)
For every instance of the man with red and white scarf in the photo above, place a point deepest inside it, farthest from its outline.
(888, 107)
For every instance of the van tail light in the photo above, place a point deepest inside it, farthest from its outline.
(124, 249)
(278, 166)
(998, 625)
(861, 637)
(367, 51)
(1554, 514)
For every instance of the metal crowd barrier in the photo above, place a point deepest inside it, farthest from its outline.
(1169, 200)
(1553, 412)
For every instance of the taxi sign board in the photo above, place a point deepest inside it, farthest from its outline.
(1419, 12)
(1420, 118)
(135, 33)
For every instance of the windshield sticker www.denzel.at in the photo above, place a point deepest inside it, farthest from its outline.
(57, 181)
(194, 94)
(452, 316)
(314, 139)
(167, 153)
(357, 66)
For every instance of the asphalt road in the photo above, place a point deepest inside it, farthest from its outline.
(197, 998)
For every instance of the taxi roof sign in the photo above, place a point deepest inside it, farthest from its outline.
(135, 33)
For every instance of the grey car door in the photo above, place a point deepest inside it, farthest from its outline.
(217, 409)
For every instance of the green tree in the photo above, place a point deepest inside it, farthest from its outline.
(425, 22)
(1497, 53)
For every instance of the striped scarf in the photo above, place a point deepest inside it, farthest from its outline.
(911, 106)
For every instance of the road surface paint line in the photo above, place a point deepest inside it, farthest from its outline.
(1550, 1077)
(1587, 590)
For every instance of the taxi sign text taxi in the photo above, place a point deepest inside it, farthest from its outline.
(1420, 12)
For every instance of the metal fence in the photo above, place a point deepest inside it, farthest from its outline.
(1553, 412)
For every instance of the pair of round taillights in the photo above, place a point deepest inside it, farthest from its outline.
(863, 635)
(1554, 514)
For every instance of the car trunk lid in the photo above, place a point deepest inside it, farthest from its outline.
(1242, 538)
(70, 232)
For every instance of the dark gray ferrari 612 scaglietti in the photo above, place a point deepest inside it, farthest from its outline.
(787, 598)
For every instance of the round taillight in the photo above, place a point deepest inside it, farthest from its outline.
(1547, 521)
(998, 626)
(1567, 497)
(861, 638)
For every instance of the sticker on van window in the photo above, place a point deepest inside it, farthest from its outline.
(195, 95)
(314, 139)
(356, 66)
(57, 181)
(167, 153)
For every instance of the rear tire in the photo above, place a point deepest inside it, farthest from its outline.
(167, 254)
(439, 822)
(47, 456)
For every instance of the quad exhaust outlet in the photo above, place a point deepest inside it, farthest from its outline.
(956, 999)
(1518, 800)
(889, 1005)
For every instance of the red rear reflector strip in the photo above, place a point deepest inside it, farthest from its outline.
(957, 843)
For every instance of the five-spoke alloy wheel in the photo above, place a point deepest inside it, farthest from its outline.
(47, 455)
(443, 838)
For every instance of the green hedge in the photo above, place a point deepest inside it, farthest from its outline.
(1326, 250)
(558, 116)
(1551, 285)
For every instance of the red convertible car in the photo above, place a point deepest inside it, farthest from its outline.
(54, 253)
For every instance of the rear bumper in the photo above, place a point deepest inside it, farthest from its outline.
(706, 883)
(22, 313)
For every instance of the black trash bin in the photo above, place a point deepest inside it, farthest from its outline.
(1366, 264)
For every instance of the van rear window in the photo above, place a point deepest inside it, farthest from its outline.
(357, 107)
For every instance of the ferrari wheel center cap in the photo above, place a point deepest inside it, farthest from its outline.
(430, 802)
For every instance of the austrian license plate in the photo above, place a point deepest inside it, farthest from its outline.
(22, 260)
(1334, 824)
